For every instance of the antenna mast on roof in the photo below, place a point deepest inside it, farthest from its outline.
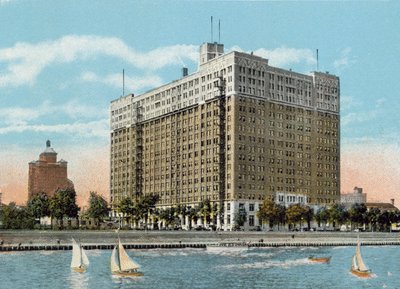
(211, 29)
(219, 30)
(123, 82)
(317, 61)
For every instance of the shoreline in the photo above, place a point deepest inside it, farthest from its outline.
(61, 240)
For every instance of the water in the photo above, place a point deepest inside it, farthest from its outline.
(275, 268)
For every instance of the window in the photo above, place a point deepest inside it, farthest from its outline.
(251, 207)
(251, 220)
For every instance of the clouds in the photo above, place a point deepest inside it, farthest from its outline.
(25, 61)
(36, 119)
(284, 56)
(136, 83)
(344, 59)
(97, 128)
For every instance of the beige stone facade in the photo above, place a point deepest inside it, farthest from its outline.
(235, 132)
(47, 174)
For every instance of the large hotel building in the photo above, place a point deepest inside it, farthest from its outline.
(235, 132)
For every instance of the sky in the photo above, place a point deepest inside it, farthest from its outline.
(61, 64)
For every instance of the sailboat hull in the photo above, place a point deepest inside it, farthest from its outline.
(361, 274)
(79, 269)
(127, 274)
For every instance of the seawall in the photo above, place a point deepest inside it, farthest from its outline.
(315, 243)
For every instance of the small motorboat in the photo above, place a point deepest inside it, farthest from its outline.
(319, 259)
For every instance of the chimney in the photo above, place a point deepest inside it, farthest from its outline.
(392, 201)
(185, 71)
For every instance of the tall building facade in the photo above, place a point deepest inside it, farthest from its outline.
(235, 132)
(48, 175)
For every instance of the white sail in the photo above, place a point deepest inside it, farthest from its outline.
(360, 262)
(76, 255)
(115, 261)
(126, 262)
(355, 266)
(85, 259)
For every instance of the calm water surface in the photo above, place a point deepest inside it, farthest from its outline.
(276, 268)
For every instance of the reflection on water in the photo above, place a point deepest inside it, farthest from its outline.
(78, 280)
(275, 268)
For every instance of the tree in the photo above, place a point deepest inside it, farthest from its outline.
(15, 217)
(127, 208)
(205, 210)
(269, 211)
(98, 208)
(357, 213)
(38, 205)
(241, 217)
(295, 213)
(338, 214)
(63, 204)
(372, 217)
(322, 216)
(281, 215)
(384, 221)
(192, 214)
(308, 215)
(168, 215)
(145, 206)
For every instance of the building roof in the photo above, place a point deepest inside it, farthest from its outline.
(49, 149)
(382, 206)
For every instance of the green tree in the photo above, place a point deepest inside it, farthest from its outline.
(168, 215)
(38, 205)
(322, 216)
(308, 215)
(240, 217)
(145, 206)
(384, 221)
(338, 214)
(357, 214)
(192, 214)
(127, 208)
(15, 217)
(281, 215)
(295, 213)
(63, 204)
(270, 212)
(372, 218)
(98, 208)
(205, 210)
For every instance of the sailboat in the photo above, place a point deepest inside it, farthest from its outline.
(122, 264)
(358, 266)
(80, 261)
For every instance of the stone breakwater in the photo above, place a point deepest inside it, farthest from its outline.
(105, 240)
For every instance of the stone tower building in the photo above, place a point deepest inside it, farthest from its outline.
(47, 174)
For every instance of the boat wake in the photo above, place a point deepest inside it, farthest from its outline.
(286, 264)
(263, 255)
(227, 251)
